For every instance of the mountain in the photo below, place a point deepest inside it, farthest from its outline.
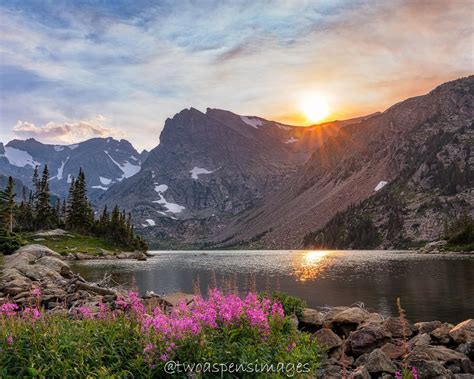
(397, 178)
(211, 167)
(105, 161)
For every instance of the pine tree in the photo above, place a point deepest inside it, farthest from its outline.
(43, 210)
(80, 215)
(7, 206)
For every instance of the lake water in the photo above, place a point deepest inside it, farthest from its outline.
(431, 287)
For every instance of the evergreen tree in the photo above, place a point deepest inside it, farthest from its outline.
(7, 206)
(43, 210)
(80, 215)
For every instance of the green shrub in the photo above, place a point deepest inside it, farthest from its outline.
(9, 242)
(291, 304)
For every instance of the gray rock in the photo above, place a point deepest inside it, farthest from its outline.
(398, 327)
(427, 327)
(327, 338)
(427, 369)
(467, 349)
(420, 340)
(361, 373)
(463, 332)
(441, 334)
(393, 351)
(368, 338)
(311, 319)
(378, 362)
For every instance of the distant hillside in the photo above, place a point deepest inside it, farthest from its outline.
(105, 161)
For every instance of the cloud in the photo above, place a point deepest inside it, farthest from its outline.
(139, 64)
(69, 132)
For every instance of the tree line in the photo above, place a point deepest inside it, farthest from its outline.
(39, 210)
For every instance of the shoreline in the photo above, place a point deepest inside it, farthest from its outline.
(354, 339)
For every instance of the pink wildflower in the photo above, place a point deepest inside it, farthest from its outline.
(414, 372)
(8, 309)
(164, 357)
(148, 348)
(36, 292)
(32, 313)
(86, 312)
(398, 375)
(10, 340)
(291, 346)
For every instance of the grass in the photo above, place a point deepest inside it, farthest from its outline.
(132, 340)
(74, 243)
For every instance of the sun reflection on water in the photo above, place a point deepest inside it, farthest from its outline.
(308, 265)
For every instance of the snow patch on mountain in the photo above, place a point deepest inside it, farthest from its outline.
(150, 222)
(161, 188)
(69, 178)
(105, 181)
(100, 187)
(59, 175)
(127, 168)
(58, 148)
(19, 158)
(253, 122)
(196, 171)
(291, 140)
(170, 207)
(379, 186)
(73, 147)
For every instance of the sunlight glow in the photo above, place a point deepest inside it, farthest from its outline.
(309, 264)
(314, 107)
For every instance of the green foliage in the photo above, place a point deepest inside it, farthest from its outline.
(460, 233)
(291, 304)
(57, 346)
(9, 242)
(348, 229)
(7, 206)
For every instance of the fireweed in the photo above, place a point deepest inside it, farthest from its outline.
(133, 340)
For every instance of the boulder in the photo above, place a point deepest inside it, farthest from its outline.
(378, 362)
(55, 264)
(353, 315)
(398, 327)
(311, 319)
(367, 338)
(420, 340)
(430, 369)
(361, 373)
(427, 327)
(467, 349)
(441, 334)
(393, 351)
(433, 247)
(329, 314)
(463, 332)
(327, 338)
(445, 356)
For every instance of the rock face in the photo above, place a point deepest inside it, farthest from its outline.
(35, 273)
(104, 160)
(378, 347)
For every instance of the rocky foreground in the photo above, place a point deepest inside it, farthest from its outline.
(358, 344)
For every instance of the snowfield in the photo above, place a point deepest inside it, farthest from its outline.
(196, 171)
(19, 158)
(291, 140)
(161, 188)
(105, 181)
(127, 168)
(170, 207)
(253, 122)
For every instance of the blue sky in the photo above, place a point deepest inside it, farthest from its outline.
(71, 70)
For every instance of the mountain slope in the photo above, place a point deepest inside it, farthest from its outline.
(105, 161)
(210, 167)
(414, 146)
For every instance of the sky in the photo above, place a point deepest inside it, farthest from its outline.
(71, 70)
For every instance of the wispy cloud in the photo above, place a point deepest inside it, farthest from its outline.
(140, 62)
(54, 132)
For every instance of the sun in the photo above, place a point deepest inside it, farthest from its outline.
(314, 107)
